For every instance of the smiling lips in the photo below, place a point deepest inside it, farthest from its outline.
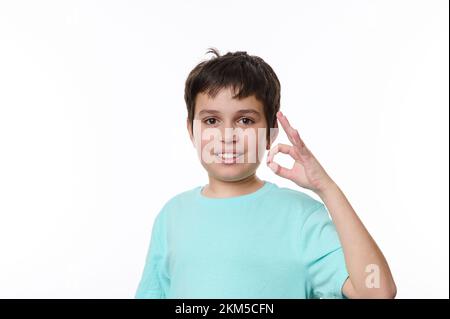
(228, 158)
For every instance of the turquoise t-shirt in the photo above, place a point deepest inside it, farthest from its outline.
(273, 243)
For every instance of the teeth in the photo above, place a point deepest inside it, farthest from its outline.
(227, 155)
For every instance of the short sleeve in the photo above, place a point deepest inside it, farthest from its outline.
(322, 256)
(151, 283)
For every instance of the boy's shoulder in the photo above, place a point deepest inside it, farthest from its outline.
(300, 204)
(295, 197)
(180, 199)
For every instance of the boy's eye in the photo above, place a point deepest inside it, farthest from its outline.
(210, 121)
(247, 121)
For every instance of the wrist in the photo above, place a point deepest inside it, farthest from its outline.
(326, 188)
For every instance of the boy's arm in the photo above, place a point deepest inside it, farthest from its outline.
(369, 273)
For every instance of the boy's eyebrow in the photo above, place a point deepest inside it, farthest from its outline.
(208, 112)
(243, 111)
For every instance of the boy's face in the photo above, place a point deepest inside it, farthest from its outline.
(229, 134)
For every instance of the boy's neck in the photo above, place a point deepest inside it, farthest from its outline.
(223, 189)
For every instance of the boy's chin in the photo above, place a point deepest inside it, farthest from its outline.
(231, 173)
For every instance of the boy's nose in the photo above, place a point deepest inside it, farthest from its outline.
(229, 135)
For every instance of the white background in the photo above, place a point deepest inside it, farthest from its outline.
(93, 139)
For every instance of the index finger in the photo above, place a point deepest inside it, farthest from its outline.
(292, 133)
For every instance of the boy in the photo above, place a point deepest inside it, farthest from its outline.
(243, 237)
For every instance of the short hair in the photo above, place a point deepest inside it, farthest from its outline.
(246, 74)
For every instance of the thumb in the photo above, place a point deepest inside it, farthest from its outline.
(279, 170)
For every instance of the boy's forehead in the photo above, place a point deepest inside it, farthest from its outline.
(224, 102)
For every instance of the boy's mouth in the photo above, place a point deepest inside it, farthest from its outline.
(228, 158)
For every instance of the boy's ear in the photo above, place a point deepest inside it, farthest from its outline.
(189, 128)
(273, 136)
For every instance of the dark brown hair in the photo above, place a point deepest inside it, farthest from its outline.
(245, 74)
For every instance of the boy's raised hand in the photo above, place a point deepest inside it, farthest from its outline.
(306, 171)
